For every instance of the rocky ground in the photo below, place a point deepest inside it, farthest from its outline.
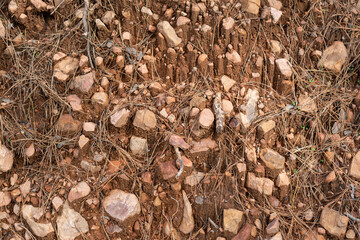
(207, 119)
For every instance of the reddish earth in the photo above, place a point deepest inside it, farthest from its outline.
(179, 119)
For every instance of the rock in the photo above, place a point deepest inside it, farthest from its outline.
(138, 146)
(101, 26)
(277, 236)
(272, 159)
(203, 146)
(232, 220)
(284, 68)
(100, 98)
(70, 224)
(57, 202)
(2, 30)
(155, 89)
(84, 82)
(330, 177)
(275, 14)
(233, 57)
(147, 11)
(252, 98)
(283, 182)
(187, 223)
(206, 118)
(350, 234)
(108, 17)
(5, 199)
(13, 7)
(75, 102)
(25, 188)
(39, 5)
(260, 185)
(194, 179)
(227, 82)
(275, 46)
(168, 170)
(80, 190)
(308, 214)
(31, 214)
(227, 106)
(120, 118)
(6, 158)
(65, 67)
(334, 57)
(89, 127)
(252, 6)
(179, 142)
(333, 222)
(89, 167)
(198, 101)
(169, 33)
(121, 205)
(67, 124)
(355, 166)
(275, 4)
(244, 233)
(273, 227)
(307, 104)
(58, 56)
(181, 21)
(145, 120)
(228, 23)
(265, 127)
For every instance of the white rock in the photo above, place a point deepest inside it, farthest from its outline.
(71, 224)
(138, 146)
(120, 118)
(147, 11)
(5, 199)
(108, 17)
(169, 33)
(187, 223)
(275, 14)
(227, 82)
(334, 57)
(121, 205)
(6, 158)
(307, 104)
(13, 7)
(284, 67)
(355, 166)
(80, 190)
(30, 214)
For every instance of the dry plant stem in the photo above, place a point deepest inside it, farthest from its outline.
(86, 31)
(219, 113)
(179, 159)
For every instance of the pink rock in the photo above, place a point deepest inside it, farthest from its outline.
(5, 199)
(84, 82)
(206, 118)
(75, 102)
(80, 190)
(203, 146)
(120, 118)
(57, 202)
(67, 124)
(178, 141)
(168, 169)
(25, 188)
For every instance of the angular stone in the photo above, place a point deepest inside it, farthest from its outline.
(66, 67)
(355, 166)
(121, 205)
(278, 236)
(145, 119)
(89, 127)
(138, 146)
(194, 179)
(25, 188)
(168, 169)
(227, 106)
(252, 6)
(71, 224)
(100, 98)
(334, 57)
(275, 14)
(155, 89)
(169, 33)
(232, 220)
(284, 68)
(187, 223)
(275, 46)
(57, 202)
(108, 17)
(67, 124)
(178, 141)
(265, 127)
(84, 82)
(233, 57)
(80, 190)
(244, 233)
(260, 185)
(273, 227)
(275, 4)
(31, 214)
(227, 82)
(307, 104)
(13, 7)
(75, 102)
(228, 23)
(6, 158)
(272, 159)
(181, 21)
(39, 4)
(334, 222)
(120, 118)
(203, 146)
